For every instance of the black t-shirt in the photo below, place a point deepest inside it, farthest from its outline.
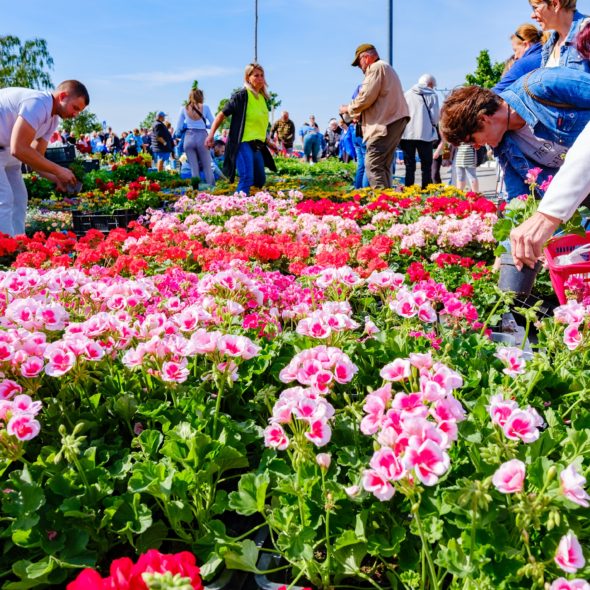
(160, 130)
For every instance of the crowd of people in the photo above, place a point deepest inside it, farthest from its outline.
(531, 118)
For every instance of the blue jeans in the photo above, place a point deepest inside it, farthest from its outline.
(164, 156)
(250, 167)
(312, 144)
(360, 179)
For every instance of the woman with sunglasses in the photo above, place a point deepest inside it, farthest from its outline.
(246, 147)
(527, 42)
(565, 23)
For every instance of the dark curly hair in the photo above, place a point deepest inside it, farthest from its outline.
(462, 111)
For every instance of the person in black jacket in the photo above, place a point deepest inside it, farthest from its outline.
(246, 149)
(161, 141)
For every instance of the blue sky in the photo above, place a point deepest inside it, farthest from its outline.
(138, 56)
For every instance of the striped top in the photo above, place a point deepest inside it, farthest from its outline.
(465, 157)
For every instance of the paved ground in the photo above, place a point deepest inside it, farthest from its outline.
(486, 175)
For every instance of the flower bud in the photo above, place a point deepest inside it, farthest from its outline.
(324, 460)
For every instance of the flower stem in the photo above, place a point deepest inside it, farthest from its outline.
(425, 547)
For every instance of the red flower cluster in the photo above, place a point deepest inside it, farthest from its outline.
(446, 259)
(459, 206)
(125, 575)
(346, 210)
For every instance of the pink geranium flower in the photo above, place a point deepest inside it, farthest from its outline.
(509, 477)
(23, 426)
(378, 485)
(319, 433)
(563, 584)
(385, 462)
(572, 337)
(429, 462)
(569, 556)
(275, 437)
(572, 486)
(398, 370)
(522, 425)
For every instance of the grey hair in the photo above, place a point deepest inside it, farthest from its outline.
(427, 80)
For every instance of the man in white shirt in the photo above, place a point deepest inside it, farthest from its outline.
(27, 120)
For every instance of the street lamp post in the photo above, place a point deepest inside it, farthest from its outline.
(390, 30)
(255, 31)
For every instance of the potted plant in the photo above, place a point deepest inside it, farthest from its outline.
(516, 212)
(109, 206)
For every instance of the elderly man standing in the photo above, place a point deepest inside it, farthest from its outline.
(284, 131)
(28, 118)
(422, 131)
(383, 112)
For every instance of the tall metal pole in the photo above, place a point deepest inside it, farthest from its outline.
(255, 31)
(390, 29)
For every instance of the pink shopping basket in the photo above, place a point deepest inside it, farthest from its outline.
(561, 273)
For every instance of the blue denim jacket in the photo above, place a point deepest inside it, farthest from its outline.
(569, 56)
(559, 124)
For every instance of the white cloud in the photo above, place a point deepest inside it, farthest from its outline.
(173, 77)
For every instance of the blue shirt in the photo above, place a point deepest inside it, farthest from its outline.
(560, 123)
(529, 61)
(569, 56)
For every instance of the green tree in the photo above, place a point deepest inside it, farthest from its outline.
(274, 103)
(24, 64)
(85, 122)
(487, 74)
(225, 123)
(148, 122)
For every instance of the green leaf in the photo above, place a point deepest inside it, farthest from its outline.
(150, 441)
(351, 557)
(251, 495)
(152, 538)
(243, 558)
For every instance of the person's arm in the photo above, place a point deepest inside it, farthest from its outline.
(566, 192)
(214, 126)
(181, 120)
(208, 115)
(367, 95)
(21, 147)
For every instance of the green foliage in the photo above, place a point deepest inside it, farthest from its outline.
(487, 74)
(148, 121)
(24, 64)
(85, 122)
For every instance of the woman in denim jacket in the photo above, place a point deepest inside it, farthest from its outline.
(553, 102)
(565, 23)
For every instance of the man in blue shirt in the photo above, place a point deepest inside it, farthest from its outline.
(531, 124)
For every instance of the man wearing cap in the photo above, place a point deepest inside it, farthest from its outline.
(161, 141)
(382, 109)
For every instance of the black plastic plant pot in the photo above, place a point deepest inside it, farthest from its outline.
(229, 580)
(265, 562)
(516, 281)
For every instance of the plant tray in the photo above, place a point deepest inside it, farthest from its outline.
(561, 273)
(61, 155)
(83, 221)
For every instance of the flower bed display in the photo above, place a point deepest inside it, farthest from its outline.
(323, 369)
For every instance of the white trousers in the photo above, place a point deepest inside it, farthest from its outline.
(13, 196)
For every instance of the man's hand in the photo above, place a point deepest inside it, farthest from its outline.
(209, 141)
(65, 178)
(527, 240)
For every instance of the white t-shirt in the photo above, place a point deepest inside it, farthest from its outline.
(571, 184)
(548, 154)
(34, 106)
